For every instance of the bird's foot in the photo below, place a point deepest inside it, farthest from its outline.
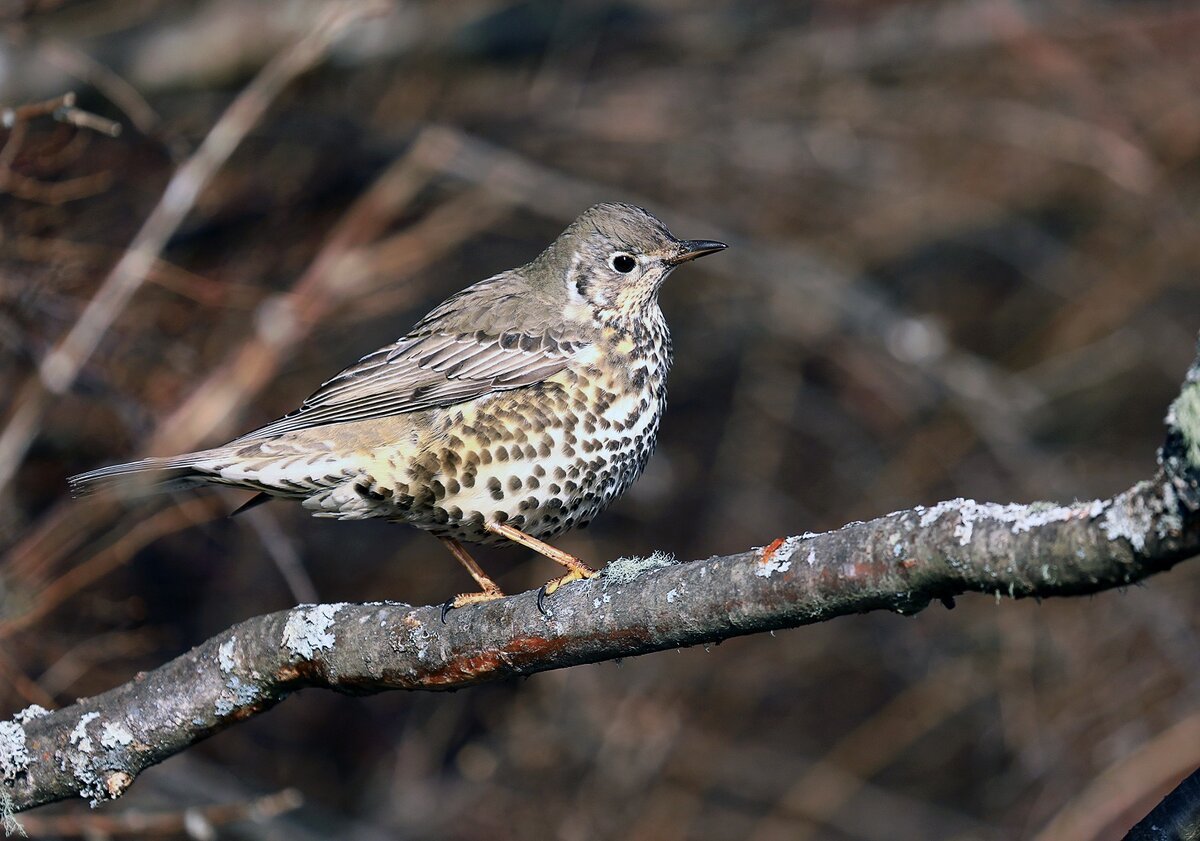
(577, 573)
(464, 599)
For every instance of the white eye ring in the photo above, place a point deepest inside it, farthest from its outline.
(622, 262)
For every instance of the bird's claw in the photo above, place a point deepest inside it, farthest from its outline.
(464, 599)
(549, 588)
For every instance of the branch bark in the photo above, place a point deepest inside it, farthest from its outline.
(901, 562)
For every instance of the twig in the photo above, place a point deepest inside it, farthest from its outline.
(901, 562)
(148, 824)
(148, 529)
(1126, 789)
(62, 365)
(118, 91)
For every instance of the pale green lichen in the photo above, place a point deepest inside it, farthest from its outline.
(236, 695)
(624, 570)
(1019, 518)
(307, 629)
(1185, 416)
(83, 762)
(30, 713)
(14, 755)
(1129, 518)
(225, 655)
(8, 817)
(115, 735)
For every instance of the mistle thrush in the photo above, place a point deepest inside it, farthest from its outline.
(517, 409)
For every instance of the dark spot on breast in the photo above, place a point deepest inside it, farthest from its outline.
(514, 483)
(493, 485)
(532, 482)
(555, 488)
(501, 453)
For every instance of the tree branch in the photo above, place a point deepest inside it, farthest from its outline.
(900, 562)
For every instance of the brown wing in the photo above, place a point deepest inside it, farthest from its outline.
(438, 364)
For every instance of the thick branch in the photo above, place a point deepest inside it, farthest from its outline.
(900, 562)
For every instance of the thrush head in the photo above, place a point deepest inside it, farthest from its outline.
(615, 257)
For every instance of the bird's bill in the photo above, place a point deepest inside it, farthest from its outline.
(692, 248)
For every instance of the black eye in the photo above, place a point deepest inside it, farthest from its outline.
(623, 263)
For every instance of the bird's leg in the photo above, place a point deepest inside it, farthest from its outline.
(577, 569)
(489, 589)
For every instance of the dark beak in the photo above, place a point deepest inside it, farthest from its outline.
(692, 248)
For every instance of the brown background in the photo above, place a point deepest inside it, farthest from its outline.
(964, 263)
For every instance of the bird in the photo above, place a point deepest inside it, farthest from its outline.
(517, 409)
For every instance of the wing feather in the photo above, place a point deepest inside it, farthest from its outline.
(437, 370)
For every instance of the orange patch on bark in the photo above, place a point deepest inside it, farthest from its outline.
(771, 549)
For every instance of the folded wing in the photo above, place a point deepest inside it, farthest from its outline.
(438, 364)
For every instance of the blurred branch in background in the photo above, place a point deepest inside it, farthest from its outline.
(59, 369)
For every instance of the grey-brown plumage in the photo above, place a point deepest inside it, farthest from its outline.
(517, 409)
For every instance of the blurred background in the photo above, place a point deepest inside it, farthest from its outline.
(964, 263)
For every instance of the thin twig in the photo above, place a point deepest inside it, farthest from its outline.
(62, 365)
(149, 824)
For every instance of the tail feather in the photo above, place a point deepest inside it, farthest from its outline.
(150, 475)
